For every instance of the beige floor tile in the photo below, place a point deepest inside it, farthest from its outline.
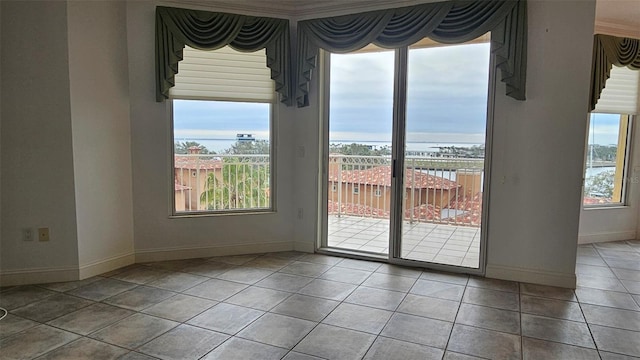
(334, 343)
(12, 324)
(418, 330)
(607, 316)
(277, 330)
(327, 289)
(438, 289)
(483, 343)
(139, 298)
(83, 349)
(91, 318)
(134, 331)
(360, 318)
(258, 298)
(492, 298)
(241, 349)
(489, 318)
(567, 310)
(606, 298)
(216, 289)
(550, 292)
(306, 307)
(562, 331)
(385, 348)
(284, 282)
(434, 308)
(226, 318)
(183, 342)
(34, 342)
(616, 340)
(180, 307)
(539, 349)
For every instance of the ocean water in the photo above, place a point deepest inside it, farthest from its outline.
(219, 145)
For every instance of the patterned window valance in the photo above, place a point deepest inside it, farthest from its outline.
(608, 51)
(206, 30)
(446, 22)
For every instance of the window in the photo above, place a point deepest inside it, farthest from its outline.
(377, 193)
(608, 140)
(222, 116)
(356, 189)
(334, 187)
(606, 159)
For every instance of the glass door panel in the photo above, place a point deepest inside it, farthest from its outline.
(445, 131)
(359, 142)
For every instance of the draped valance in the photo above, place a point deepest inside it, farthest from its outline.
(446, 22)
(206, 30)
(608, 51)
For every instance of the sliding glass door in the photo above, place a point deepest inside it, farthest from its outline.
(359, 150)
(405, 158)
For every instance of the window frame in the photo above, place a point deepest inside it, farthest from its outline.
(272, 179)
(631, 119)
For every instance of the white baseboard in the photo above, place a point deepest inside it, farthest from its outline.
(531, 276)
(606, 236)
(306, 246)
(38, 276)
(163, 254)
(102, 266)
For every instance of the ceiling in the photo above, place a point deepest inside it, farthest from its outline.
(618, 17)
(614, 17)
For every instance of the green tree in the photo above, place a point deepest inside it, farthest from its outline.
(600, 185)
(242, 186)
(359, 149)
(258, 147)
(182, 147)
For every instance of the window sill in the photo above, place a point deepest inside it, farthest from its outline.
(605, 207)
(218, 214)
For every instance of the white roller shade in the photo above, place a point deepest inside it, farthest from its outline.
(224, 74)
(620, 94)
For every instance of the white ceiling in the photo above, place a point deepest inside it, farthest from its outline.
(618, 17)
(615, 17)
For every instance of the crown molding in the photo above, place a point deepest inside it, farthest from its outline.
(292, 9)
(610, 27)
(242, 7)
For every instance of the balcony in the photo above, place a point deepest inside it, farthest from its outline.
(442, 200)
(442, 206)
(214, 182)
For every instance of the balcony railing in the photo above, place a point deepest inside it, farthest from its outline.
(436, 190)
(205, 182)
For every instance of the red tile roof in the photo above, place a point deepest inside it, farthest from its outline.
(596, 200)
(196, 163)
(180, 187)
(381, 176)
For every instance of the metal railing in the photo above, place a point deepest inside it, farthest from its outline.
(205, 182)
(437, 190)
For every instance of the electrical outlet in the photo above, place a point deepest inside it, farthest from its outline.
(27, 234)
(43, 234)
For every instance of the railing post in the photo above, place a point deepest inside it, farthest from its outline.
(413, 189)
(339, 184)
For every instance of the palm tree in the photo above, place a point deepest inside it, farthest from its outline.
(239, 186)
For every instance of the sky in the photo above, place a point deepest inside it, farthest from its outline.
(446, 101)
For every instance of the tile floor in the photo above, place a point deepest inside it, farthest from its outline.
(444, 244)
(303, 306)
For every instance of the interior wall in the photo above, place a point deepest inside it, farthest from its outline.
(616, 223)
(101, 132)
(157, 234)
(37, 156)
(620, 222)
(538, 152)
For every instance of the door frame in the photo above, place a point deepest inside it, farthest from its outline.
(398, 138)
